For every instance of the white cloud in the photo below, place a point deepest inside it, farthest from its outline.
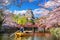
(38, 11)
(52, 4)
(21, 12)
(7, 11)
(49, 4)
(5, 2)
(41, 11)
(35, 11)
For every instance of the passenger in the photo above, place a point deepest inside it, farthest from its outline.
(21, 29)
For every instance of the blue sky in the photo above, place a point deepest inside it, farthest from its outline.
(26, 5)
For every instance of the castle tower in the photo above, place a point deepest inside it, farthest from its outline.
(29, 14)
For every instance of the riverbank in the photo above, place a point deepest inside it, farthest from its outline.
(1, 36)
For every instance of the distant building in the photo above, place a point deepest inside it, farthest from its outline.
(29, 14)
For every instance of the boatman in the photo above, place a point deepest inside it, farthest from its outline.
(21, 29)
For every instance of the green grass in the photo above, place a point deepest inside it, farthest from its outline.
(55, 31)
(1, 36)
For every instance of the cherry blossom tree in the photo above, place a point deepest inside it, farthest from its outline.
(53, 19)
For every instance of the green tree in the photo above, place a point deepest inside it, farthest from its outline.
(20, 19)
(1, 18)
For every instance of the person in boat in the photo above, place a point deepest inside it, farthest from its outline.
(21, 29)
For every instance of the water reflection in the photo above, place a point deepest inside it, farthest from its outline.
(42, 37)
(37, 36)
